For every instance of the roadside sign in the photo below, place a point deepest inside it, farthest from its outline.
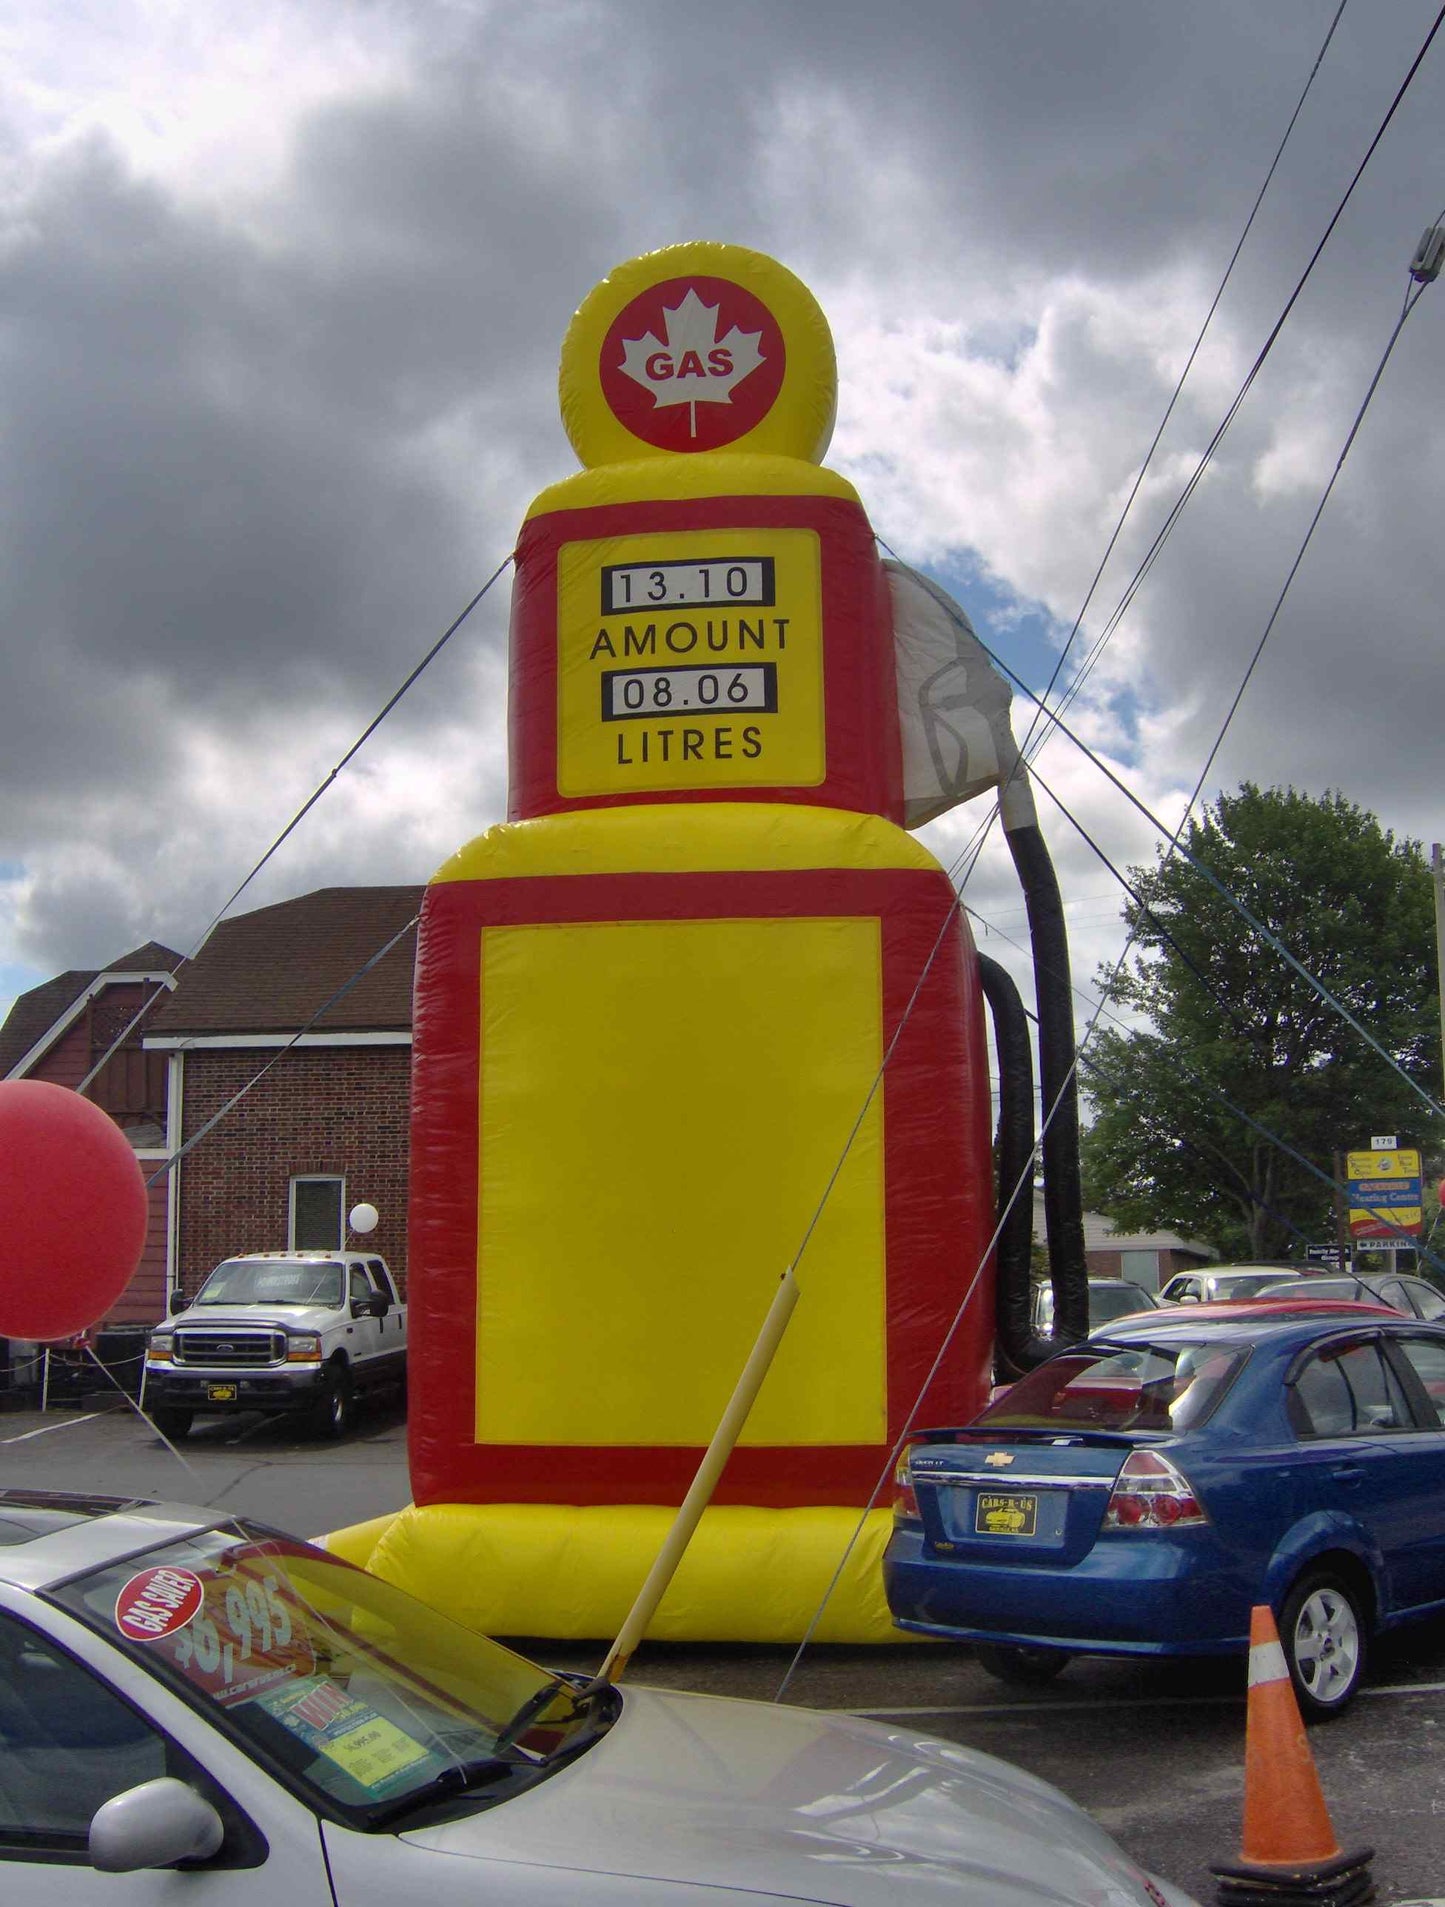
(1383, 1192)
(1327, 1256)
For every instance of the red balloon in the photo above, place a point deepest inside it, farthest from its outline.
(73, 1211)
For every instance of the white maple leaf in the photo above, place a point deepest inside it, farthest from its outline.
(694, 366)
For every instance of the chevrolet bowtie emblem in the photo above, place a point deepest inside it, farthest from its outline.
(998, 1457)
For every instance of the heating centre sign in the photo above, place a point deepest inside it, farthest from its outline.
(1383, 1191)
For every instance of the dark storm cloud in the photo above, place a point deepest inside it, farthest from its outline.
(258, 448)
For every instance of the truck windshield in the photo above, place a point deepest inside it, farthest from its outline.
(249, 1281)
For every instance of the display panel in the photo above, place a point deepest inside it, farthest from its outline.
(656, 1221)
(686, 661)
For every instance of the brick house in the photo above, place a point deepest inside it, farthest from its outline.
(325, 1125)
(59, 1032)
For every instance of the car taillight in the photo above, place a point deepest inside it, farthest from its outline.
(1151, 1494)
(905, 1503)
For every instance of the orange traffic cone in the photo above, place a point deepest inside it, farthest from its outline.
(1289, 1853)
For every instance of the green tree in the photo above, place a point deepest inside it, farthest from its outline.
(1226, 1019)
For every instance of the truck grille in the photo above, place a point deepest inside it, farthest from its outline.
(230, 1350)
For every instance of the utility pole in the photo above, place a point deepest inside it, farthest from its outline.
(1437, 863)
(1342, 1217)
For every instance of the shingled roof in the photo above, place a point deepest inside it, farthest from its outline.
(271, 970)
(36, 1012)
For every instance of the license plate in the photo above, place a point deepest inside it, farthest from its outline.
(221, 1393)
(997, 1514)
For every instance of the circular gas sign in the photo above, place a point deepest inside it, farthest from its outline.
(692, 363)
(157, 1602)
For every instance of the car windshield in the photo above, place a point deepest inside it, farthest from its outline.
(364, 1700)
(1119, 1387)
(1106, 1302)
(315, 1281)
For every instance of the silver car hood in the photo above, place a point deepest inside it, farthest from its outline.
(795, 1804)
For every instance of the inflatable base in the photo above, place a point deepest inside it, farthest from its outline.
(571, 1573)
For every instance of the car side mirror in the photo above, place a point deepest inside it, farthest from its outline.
(176, 1302)
(1187, 1297)
(155, 1825)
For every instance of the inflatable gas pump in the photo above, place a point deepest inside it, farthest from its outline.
(700, 1010)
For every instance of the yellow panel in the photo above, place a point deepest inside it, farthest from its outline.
(551, 1569)
(689, 660)
(645, 1178)
(713, 837)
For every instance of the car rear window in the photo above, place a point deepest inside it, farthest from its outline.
(1121, 1387)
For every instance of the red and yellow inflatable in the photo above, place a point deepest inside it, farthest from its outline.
(699, 1010)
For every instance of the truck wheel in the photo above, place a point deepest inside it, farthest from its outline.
(336, 1407)
(171, 1421)
(1028, 1668)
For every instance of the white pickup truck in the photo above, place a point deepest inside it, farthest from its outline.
(306, 1331)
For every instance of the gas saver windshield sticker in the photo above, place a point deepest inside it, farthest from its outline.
(157, 1602)
(374, 1752)
(245, 1639)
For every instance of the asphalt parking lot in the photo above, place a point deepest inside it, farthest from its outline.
(1155, 1752)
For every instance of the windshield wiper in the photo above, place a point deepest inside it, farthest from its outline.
(536, 1704)
(463, 1777)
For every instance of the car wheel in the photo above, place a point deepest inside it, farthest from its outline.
(1322, 1631)
(336, 1408)
(1021, 1666)
(171, 1422)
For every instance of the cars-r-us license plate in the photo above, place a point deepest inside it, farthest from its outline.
(220, 1393)
(999, 1514)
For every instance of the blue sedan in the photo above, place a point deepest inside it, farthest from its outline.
(1136, 1494)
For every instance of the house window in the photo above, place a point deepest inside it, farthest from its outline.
(316, 1214)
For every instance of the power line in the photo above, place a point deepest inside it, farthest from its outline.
(1188, 491)
(281, 1052)
(1177, 392)
(1099, 1008)
(1270, 938)
(296, 820)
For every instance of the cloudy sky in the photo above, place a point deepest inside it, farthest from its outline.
(281, 293)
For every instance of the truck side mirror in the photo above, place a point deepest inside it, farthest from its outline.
(176, 1302)
(379, 1304)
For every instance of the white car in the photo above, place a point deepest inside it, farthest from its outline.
(270, 1725)
(1218, 1282)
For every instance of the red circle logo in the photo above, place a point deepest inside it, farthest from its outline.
(692, 364)
(157, 1602)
